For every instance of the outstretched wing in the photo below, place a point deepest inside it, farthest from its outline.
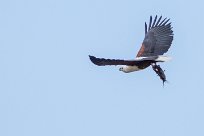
(158, 38)
(104, 62)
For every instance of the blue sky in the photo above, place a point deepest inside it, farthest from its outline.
(48, 86)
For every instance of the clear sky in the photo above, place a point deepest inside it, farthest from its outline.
(49, 87)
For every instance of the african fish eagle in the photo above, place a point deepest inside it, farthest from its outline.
(157, 41)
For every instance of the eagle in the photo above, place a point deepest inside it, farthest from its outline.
(157, 41)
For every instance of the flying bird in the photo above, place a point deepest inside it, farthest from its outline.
(157, 41)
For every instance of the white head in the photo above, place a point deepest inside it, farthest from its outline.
(121, 69)
(124, 69)
(128, 69)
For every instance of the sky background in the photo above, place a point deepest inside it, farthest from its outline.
(49, 87)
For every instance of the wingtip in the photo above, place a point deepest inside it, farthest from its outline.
(145, 27)
(93, 60)
(91, 57)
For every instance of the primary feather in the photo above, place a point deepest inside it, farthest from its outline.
(158, 38)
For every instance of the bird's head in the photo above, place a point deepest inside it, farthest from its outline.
(121, 69)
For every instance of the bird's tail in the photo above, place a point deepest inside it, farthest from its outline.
(163, 58)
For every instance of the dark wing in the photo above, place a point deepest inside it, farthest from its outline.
(158, 38)
(104, 62)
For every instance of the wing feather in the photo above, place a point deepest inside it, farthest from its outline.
(150, 22)
(158, 21)
(155, 19)
(165, 22)
(104, 62)
(158, 38)
(162, 22)
(145, 28)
